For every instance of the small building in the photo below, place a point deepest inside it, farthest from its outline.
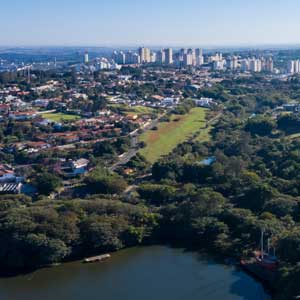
(22, 116)
(75, 168)
(205, 102)
(10, 188)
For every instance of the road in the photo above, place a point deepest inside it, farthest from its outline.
(126, 157)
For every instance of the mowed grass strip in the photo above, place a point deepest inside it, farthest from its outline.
(60, 117)
(169, 134)
(203, 135)
(139, 110)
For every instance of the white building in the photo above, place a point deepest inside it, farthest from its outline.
(188, 59)
(168, 56)
(255, 65)
(86, 57)
(245, 65)
(219, 65)
(145, 55)
(160, 57)
(132, 58)
(293, 66)
(119, 57)
(232, 63)
(199, 57)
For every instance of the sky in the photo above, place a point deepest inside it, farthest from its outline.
(149, 22)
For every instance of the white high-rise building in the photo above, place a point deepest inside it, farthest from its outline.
(232, 63)
(255, 65)
(160, 57)
(199, 57)
(245, 65)
(86, 57)
(119, 57)
(192, 52)
(188, 59)
(145, 55)
(269, 65)
(293, 66)
(219, 65)
(168, 56)
(132, 58)
(153, 57)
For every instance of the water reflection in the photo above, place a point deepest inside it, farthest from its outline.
(146, 273)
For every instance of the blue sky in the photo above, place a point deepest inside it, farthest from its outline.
(149, 22)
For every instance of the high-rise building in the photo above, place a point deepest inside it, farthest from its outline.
(132, 58)
(188, 59)
(119, 57)
(168, 56)
(219, 65)
(153, 57)
(160, 57)
(199, 57)
(145, 55)
(245, 65)
(255, 65)
(232, 63)
(192, 52)
(293, 66)
(269, 65)
(183, 51)
(86, 57)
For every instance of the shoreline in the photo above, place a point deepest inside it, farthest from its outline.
(218, 259)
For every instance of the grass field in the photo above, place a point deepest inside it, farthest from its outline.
(60, 117)
(139, 110)
(169, 134)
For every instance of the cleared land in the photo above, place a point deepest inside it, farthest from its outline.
(60, 117)
(169, 134)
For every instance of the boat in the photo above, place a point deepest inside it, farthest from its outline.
(98, 258)
(263, 265)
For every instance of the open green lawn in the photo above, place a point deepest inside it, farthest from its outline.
(139, 110)
(60, 117)
(169, 134)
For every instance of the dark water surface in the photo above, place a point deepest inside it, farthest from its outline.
(146, 273)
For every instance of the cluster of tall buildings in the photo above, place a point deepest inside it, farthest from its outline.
(185, 57)
(257, 65)
(253, 64)
(293, 66)
(191, 57)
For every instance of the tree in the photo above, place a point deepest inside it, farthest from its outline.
(104, 182)
(260, 125)
(47, 183)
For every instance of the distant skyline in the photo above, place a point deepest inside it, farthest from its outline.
(151, 23)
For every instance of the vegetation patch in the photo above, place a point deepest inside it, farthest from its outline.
(169, 134)
(138, 110)
(60, 117)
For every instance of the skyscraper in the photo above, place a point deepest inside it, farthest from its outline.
(132, 58)
(160, 57)
(119, 57)
(232, 63)
(145, 55)
(269, 65)
(188, 59)
(199, 57)
(86, 57)
(192, 52)
(168, 56)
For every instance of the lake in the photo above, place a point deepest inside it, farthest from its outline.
(144, 273)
